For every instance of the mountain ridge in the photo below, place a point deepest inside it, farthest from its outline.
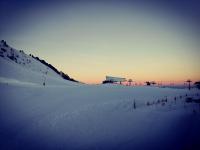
(23, 59)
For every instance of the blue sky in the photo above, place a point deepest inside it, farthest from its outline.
(139, 39)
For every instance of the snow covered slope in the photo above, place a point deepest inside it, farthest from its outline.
(97, 117)
(19, 66)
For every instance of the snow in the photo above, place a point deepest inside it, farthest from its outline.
(67, 115)
(25, 68)
(95, 117)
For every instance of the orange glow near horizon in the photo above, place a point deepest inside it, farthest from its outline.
(142, 82)
(139, 79)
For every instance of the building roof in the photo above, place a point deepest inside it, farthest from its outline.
(115, 79)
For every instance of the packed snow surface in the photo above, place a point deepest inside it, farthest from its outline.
(96, 117)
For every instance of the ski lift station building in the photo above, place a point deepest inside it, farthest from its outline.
(110, 79)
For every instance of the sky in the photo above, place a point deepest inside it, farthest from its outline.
(139, 39)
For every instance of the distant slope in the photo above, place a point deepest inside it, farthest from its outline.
(18, 65)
